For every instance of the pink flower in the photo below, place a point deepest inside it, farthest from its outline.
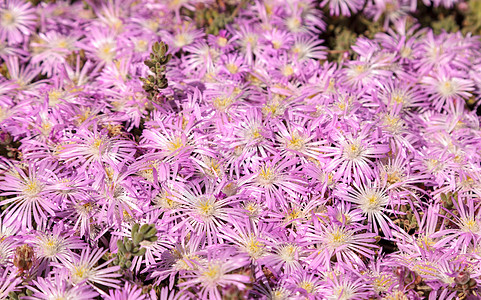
(352, 155)
(17, 20)
(216, 272)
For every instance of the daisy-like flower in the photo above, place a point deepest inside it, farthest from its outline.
(247, 37)
(17, 20)
(119, 199)
(306, 47)
(183, 257)
(467, 224)
(55, 245)
(287, 254)
(201, 59)
(102, 46)
(233, 66)
(392, 11)
(93, 148)
(173, 137)
(302, 17)
(298, 139)
(51, 50)
(277, 40)
(80, 214)
(217, 272)
(275, 289)
(275, 177)
(373, 200)
(203, 210)
(27, 188)
(371, 68)
(445, 87)
(307, 283)
(183, 36)
(437, 51)
(399, 177)
(400, 95)
(86, 268)
(348, 244)
(249, 238)
(250, 139)
(58, 287)
(23, 74)
(8, 244)
(352, 155)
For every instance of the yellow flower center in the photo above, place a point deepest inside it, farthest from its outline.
(287, 253)
(79, 273)
(232, 68)
(469, 225)
(447, 88)
(107, 51)
(221, 41)
(32, 188)
(206, 207)
(287, 71)
(8, 18)
(297, 142)
(307, 285)
(213, 273)
(175, 144)
(266, 176)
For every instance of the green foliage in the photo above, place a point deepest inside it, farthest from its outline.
(215, 16)
(157, 62)
(128, 248)
(472, 21)
(447, 199)
(445, 24)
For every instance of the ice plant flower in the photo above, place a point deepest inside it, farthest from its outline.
(58, 287)
(214, 273)
(56, 244)
(351, 156)
(347, 244)
(373, 200)
(269, 164)
(28, 204)
(86, 268)
(17, 20)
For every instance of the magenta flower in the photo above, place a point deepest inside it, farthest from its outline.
(373, 200)
(351, 155)
(90, 149)
(347, 243)
(467, 226)
(443, 88)
(18, 20)
(275, 178)
(204, 213)
(86, 268)
(215, 272)
(56, 245)
(28, 204)
(58, 287)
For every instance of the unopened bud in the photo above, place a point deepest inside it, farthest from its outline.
(462, 278)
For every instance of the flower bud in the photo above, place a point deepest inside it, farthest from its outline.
(462, 278)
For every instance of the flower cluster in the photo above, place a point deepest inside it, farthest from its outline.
(259, 168)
